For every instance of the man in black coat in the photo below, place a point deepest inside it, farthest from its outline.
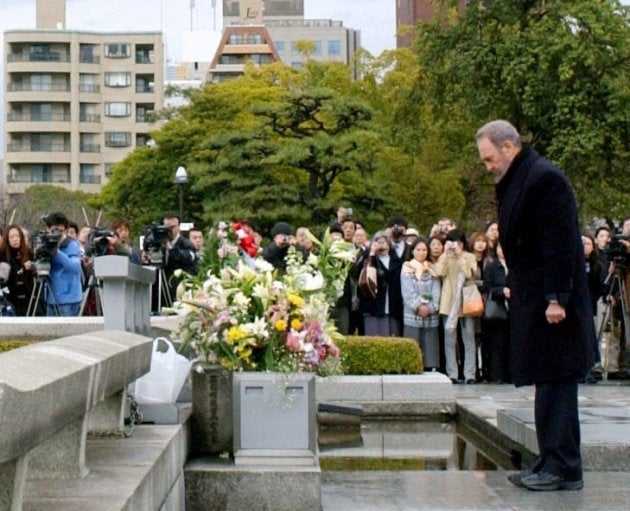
(552, 331)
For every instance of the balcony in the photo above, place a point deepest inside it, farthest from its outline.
(38, 87)
(39, 56)
(17, 117)
(89, 118)
(90, 148)
(88, 87)
(89, 59)
(18, 147)
(90, 179)
(38, 177)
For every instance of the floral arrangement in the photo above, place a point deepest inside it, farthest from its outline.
(246, 317)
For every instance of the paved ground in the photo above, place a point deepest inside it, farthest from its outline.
(605, 415)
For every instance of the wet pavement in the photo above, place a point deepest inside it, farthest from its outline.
(605, 418)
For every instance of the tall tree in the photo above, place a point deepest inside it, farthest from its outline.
(559, 70)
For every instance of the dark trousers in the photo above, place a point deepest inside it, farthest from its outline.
(558, 430)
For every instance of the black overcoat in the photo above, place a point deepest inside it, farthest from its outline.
(539, 232)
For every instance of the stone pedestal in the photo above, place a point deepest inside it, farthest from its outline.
(211, 419)
(275, 419)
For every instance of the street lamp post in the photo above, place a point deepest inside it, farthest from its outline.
(181, 178)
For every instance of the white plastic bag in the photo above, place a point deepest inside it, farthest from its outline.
(164, 382)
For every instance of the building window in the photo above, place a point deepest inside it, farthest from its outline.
(294, 48)
(109, 169)
(87, 174)
(118, 79)
(41, 173)
(145, 83)
(86, 54)
(117, 50)
(297, 65)
(334, 47)
(318, 48)
(117, 139)
(118, 109)
(279, 46)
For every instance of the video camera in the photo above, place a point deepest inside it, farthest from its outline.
(44, 246)
(155, 237)
(98, 242)
(617, 252)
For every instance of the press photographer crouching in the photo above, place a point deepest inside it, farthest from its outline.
(57, 262)
(165, 248)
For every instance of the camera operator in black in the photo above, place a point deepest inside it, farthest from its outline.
(180, 254)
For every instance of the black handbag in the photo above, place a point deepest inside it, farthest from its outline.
(495, 311)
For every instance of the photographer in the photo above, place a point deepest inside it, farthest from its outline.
(64, 290)
(618, 253)
(281, 240)
(178, 252)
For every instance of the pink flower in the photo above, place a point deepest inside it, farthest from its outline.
(293, 341)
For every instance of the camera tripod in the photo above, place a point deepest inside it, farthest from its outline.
(160, 295)
(6, 307)
(92, 299)
(607, 321)
(37, 301)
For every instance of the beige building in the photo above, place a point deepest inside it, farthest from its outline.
(76, 102)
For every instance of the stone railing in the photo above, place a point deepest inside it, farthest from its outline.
(53, 394)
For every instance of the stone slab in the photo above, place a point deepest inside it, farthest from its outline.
(136, 473)
(355, 389)
(417, 387)
(213, 485)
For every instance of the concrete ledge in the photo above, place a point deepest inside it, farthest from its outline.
(143, 472)
(605, 445)
(391, 395)
(213, 485)
(44, 328)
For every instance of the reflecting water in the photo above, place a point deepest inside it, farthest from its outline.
(399, 445)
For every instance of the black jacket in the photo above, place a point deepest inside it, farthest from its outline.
(538, 226)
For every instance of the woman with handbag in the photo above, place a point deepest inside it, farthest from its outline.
(421, 298)
(456, 266)
(496, 341)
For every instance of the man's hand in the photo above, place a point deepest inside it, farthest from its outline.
(555, 313)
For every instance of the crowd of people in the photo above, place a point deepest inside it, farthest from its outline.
(417, 292)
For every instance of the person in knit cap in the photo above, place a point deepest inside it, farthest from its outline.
(281, 239)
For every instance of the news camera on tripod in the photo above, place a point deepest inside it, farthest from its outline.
(57, 263)
(166, 249)
(617, 286)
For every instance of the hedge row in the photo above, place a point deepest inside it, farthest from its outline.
(380, 355)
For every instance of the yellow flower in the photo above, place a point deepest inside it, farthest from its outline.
(281, 325)
(296, 324)
(295, 300)
(235, 333)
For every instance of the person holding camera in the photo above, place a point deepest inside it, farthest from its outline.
(551, 330)
(64, 280)
(281, 239)
(383, 311)
(456, 266)
(396, 230)
(179, 252)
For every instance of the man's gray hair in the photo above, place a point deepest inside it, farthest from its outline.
(499, 131)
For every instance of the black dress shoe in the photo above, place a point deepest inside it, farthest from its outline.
(471, 381)
(544, 481)
(516, 479)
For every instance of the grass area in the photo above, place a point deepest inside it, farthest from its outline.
(8, 344)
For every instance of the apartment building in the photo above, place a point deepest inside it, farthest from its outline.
(76, 102)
